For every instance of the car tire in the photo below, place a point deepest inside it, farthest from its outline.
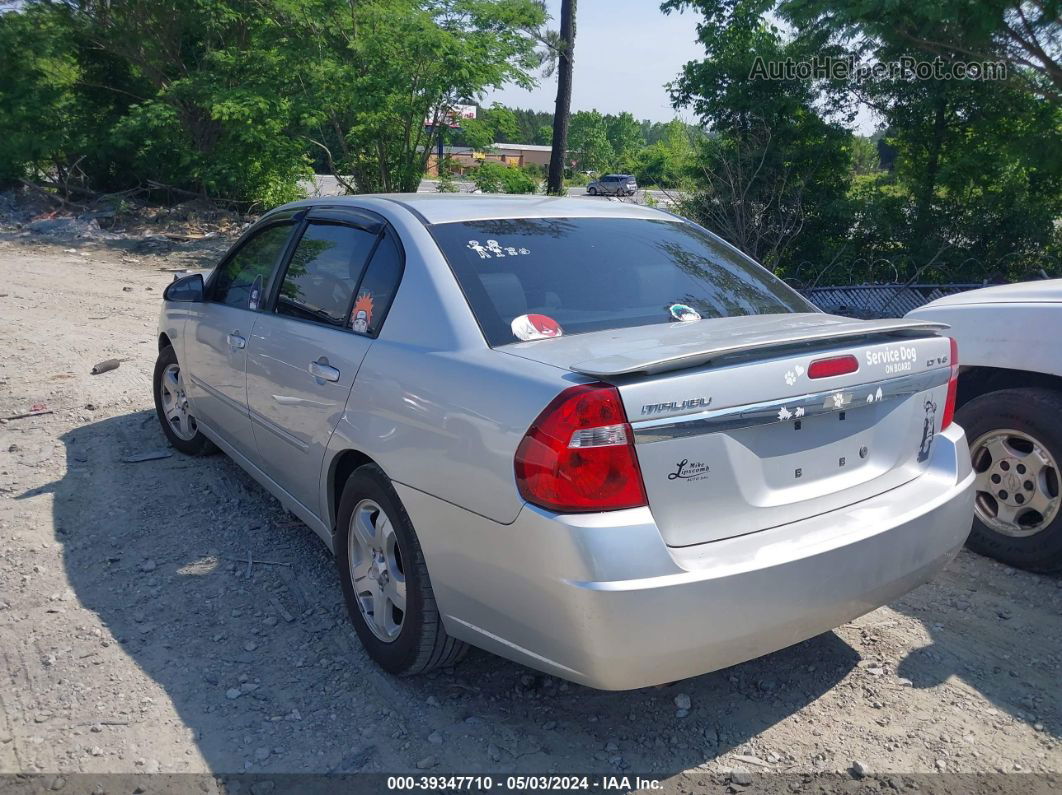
(1016, 446)
(416, 641)
(173, 409)
(592, 191)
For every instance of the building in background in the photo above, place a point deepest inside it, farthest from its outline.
(464, 158)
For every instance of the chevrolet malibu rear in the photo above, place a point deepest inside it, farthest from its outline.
(602, 442)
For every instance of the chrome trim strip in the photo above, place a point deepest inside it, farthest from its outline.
(235, 405)
(798, 407)
(258, 420)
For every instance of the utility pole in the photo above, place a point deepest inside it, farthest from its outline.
(555, 180)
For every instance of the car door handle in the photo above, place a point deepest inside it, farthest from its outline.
(324, 371)
(236, 341)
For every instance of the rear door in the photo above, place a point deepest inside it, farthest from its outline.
(304, 355)
(217, 349)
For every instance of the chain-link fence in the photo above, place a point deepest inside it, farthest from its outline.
(879, 300)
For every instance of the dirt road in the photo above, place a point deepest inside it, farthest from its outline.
(136, 636)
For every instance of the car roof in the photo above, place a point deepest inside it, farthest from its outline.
(1046, 291)
(442, 208)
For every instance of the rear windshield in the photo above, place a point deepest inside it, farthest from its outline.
(595, 274)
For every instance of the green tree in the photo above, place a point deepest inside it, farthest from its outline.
(379, 70)
(669, 162)
(978, 161)
(496, 124)
(773, 177)
(625, 136)
(224, 97)
(588, 143)
(864, 155)
(39, 107)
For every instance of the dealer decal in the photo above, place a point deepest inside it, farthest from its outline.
(689, 470)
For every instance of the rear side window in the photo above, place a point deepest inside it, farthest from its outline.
(595, 274)
(323, 272)
(242, 280)
(378, 288)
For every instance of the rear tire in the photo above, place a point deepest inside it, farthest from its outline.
(592, 191)
(374, 533)
(1016, 445)
(173, 409)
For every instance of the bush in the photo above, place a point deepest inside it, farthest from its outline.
(577, 178)
(498, 178)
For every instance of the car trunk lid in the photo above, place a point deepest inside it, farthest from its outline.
(734, 435)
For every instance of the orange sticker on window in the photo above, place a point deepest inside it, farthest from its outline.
(361, 315)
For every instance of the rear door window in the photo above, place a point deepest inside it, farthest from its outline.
(323, 272)
(594, 274)
(377, 288)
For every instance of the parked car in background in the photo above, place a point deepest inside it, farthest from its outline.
(588, 436)
(1010, 404)
(613, 185)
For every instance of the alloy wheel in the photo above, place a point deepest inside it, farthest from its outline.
(175, 404)
(376, 570)
(1017, 483)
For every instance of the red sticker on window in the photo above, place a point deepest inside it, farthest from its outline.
(536, 327)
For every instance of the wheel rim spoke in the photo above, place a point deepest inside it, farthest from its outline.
(1036, 462)
(998, 448)
(364, 529)
(983, 482)
(359, 575)
(396, 593)
(1006, 513)
(380, 609)
(374, 561)
(1043, 504)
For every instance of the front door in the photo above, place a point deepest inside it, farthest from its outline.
(217, 351)
(303, 356)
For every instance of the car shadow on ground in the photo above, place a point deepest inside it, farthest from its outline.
(261, 664)
(988, 629)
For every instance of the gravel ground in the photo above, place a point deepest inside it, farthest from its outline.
(136, 636)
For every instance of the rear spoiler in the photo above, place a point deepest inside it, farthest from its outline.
(702, 352)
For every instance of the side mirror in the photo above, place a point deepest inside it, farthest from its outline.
(187, 289)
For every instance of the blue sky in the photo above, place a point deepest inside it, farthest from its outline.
(625, 51)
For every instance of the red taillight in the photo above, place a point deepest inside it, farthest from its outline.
(835, 365)
(953, 386)
(578, 455)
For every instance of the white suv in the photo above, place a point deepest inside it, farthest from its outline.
(1010, 402)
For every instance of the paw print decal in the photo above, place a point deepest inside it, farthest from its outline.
(791, 376)
(838, 400)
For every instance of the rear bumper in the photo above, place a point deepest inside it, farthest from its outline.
(599, 599)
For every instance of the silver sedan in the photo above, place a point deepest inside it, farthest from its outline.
(590, 437)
